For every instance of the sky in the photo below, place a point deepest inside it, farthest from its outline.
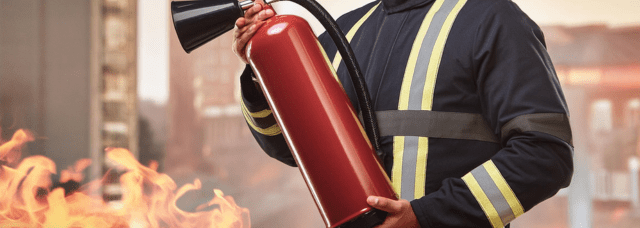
(153, 51)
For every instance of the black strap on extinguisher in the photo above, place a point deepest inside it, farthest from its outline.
(366, 108)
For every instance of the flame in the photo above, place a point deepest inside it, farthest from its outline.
(10, 151)
(74, 173)
(148, 199)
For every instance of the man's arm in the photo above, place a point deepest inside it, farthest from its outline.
(261, 120)
(255, 109)
(523, 103)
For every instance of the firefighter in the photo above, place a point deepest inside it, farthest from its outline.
(481, 131)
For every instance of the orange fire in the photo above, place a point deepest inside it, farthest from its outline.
(148, 199)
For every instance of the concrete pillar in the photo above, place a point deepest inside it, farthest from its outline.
(580, 205)
(634, 166)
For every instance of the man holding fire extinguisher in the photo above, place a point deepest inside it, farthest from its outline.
(482, 125)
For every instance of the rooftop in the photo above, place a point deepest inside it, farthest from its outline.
(593, 45)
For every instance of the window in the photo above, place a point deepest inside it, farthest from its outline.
(632, 113)
(601, 116)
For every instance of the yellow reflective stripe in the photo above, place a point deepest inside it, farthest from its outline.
(364, 133)
(428, 92)
(403, 103)
(506, 191)
(436, 57)
(260, 114)
(421, 166)
(396, 171)
(270, 131)
(406, 101)
(483, 200)
(493, 193)
(326, 58)
(351, 33)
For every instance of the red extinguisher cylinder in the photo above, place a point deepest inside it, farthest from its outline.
(327, 140)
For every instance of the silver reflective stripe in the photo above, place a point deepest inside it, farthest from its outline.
(416, 96)
(556, 124)
(418, 83)
(493, 193)
(410, 157)
(449, 125)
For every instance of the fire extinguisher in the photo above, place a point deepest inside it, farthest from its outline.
(335, 154)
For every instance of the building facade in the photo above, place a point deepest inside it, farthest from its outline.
(68, 74)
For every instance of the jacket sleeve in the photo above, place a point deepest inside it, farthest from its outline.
(523, 103)
(261, 121)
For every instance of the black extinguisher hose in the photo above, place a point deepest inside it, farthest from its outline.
(364, 100)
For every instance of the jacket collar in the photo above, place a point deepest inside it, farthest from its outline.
(394, 6)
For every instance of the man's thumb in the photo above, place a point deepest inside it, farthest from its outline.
(384, 204)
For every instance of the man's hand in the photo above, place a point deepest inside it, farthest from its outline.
(247, 26)
(400, 212)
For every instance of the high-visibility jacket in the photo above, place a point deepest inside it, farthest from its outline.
(474, 122)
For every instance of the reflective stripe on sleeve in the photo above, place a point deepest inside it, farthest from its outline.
(416, 93)
(260, 114)
(556, 124)
(491, 190)
(262, 122)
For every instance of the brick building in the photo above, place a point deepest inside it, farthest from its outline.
(599, 69)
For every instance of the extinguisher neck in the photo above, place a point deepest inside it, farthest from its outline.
(245, 5)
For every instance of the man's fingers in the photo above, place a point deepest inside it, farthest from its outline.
(242, 30)
(246, 36)
(265, 14)
(248, 25)
(253, 10)
(240, 22)
(384, 204)
(259, 16)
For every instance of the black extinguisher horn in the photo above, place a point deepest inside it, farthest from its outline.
(200, 21)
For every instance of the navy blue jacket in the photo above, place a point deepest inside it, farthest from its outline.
(495, 65)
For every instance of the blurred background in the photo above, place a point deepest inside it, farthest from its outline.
(84, 75)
